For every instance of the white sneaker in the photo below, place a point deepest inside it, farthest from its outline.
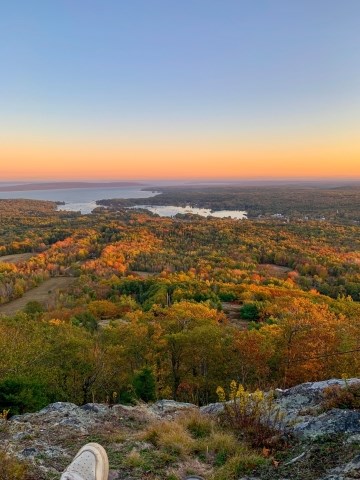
(90, 463)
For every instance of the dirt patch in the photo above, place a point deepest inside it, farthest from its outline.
(142, 274)
(44, 293)
(16, 258)
(273, 270)
(232, 312)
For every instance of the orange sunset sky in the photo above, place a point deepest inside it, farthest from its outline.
(91, 160)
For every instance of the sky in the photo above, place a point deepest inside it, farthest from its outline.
(169, 89)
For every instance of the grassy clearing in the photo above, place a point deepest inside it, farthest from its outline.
(44, 293)
(16, 258)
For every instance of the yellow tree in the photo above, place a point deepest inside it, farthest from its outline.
(308, 339)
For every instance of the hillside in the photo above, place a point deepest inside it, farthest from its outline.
(123, 307)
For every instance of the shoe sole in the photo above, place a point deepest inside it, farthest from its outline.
(102, 463)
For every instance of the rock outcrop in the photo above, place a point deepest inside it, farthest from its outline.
(303, 417)
(49, 437)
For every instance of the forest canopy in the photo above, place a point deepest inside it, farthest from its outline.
(180, 305)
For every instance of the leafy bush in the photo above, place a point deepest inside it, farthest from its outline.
(199, 426)
(127, 396)
(249, 311)
(253, 415)
(20, 396)
(13, 469)
(238, 465)
(347, 397)
(33, 308)
(144, 385)
(227, 296)
(86, 320)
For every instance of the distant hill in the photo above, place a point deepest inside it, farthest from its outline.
(65, 185)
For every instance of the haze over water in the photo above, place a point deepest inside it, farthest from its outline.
(79, 199)
(84, 200)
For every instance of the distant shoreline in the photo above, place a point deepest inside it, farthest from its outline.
(66, 185)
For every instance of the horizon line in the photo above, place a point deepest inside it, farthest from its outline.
(41, 180)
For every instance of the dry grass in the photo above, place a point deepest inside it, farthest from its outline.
(199, 426)
(342, 397)
(16, 258)
(13, 469)
(134, 459)
(238, 465)
(202, 448)
(44, 293)
(190, 466)
(170, 436)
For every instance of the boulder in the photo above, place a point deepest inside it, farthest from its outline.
(333, 422)
(165, 408)
(212, 408)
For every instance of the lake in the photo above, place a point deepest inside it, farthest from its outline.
(84, 200)
(171, 211)
(79, 199)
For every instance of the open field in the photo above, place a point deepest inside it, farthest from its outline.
(16, 258)
(44, 293)
(273, 270)
(143, 274)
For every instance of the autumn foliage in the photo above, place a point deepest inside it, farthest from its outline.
(195, 303)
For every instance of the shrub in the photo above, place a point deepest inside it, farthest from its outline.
(238, 465)
(219, 446)
(342, 397)
(253, 415)
(33, 307)
(227, 296)
(127, 397)
(4, 414)
(201, 446)
(20, 396)
(171, 436)
(199, 426)
(13, 469)
(249, 311)
(86, 320)
(144, 385)
(103, 309)
(134, 459)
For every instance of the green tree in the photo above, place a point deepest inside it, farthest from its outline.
(144, 385)
(33, 307)
(249, 311)
(22, 395)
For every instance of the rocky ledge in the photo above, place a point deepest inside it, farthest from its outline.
(49, 438)
(302, 410)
